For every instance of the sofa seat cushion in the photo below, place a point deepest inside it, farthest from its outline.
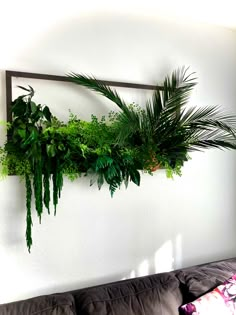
(55, 304)
(157, 294)
(200, 279)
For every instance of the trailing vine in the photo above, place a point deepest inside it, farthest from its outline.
(113, 150)
(46, 185)
(38, 189)
(29, 222)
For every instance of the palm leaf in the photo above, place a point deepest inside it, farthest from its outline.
(93, 84)
(209, 116)
(166, 123)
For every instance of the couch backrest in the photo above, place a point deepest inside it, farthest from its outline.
(152, 295)
(159, 294)
(54, 304)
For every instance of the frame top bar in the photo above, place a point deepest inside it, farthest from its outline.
(52, 77)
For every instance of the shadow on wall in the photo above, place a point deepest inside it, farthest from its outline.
(167, 258)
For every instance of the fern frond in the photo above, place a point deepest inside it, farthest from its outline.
(103, 162)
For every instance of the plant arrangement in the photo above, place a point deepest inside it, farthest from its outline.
(113, 150)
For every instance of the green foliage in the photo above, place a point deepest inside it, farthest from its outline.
(24, 152)
(165, 130)
(112, 150)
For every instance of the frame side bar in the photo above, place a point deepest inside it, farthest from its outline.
(9, 94)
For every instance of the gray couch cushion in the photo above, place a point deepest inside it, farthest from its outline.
(156, 294)
(55, 304)
(198, 280)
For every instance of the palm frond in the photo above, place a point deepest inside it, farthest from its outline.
(156, 102)
(208, 116)
(179, 81)
(129, 124)
(215, 143)
(165, 123)
(93, 84)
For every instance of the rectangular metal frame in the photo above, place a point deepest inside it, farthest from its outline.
(40, 76)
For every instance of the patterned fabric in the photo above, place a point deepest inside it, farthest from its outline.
(222, 300)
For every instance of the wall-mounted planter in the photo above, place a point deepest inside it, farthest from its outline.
(112, 150)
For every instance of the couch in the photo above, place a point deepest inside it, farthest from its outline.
(158, 294)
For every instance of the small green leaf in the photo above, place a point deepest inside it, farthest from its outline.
(126, 181)
(24, 88)
(61, 147)
(100, 181)
(33, 107)
(92, 181)
(34, 134)
(22, 133)
(32, 137)
(47, 113)
(51, 150)
(31, 90)
(135, 177)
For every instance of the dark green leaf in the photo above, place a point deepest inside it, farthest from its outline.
(24, 88)
(47, 113)
(22, 133)
(135, 177)
(33, 107)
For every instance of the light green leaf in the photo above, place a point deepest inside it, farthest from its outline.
(51, 150)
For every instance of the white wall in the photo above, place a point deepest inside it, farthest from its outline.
(159, 226)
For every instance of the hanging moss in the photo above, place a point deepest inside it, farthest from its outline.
(38, 188)
(28, 208)
(46, 187)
